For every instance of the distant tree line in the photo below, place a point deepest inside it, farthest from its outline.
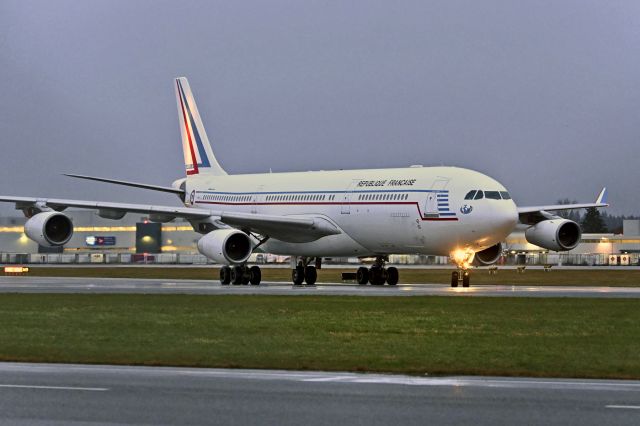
(594, 221)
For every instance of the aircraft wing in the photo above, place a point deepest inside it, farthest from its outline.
(115, 208)
(284, 228)
(534, 214)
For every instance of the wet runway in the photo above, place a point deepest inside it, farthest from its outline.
(63, 394)
(156, 286)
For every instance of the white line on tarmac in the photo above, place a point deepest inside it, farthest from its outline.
(335, 377)
(54, 388)
(625, 407)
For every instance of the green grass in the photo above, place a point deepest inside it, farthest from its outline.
(561, 337)
(577, 277)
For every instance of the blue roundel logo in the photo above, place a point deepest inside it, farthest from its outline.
(192, 197)
(466, 209)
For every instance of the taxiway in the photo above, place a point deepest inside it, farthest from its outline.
(60, 394)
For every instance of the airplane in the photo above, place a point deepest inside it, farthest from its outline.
(369, 213)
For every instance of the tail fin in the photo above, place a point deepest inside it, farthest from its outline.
(198, 156)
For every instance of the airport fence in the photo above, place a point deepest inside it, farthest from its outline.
(97, 258)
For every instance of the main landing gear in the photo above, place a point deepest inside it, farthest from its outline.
(303, 272)
(377, 274)
(240, 275)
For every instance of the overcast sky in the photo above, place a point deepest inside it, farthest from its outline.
(542, 95)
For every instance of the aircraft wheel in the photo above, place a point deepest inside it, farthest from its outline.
(255, 275)
(466, 279)
(454, 279)
(297, 275)
(392, 275)
(310, 275)
(362, 275)
(225, 275)
(376, 276)
(236, 275)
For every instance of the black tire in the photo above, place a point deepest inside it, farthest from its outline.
(376, 276)
(310, 275)
(236, 275)
(466, 279)
(454, 279)
(225, 275)
(297, 275)
(256, 275)
(392, 275)
(362, 275)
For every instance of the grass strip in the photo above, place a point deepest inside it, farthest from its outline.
(561, 337)
(578, 277)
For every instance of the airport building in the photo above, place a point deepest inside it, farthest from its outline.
(136, 239)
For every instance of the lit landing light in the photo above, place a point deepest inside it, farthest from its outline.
(462, 257)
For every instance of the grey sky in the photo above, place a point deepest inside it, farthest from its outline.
(542, 95)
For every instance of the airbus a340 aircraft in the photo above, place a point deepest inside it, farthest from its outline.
(372, 213)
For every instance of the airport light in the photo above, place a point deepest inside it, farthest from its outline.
(14, 270)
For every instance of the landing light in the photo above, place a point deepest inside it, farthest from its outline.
(463, 257)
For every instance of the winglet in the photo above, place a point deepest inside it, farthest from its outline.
(602, 198)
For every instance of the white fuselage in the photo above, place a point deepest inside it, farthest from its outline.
(416, 210)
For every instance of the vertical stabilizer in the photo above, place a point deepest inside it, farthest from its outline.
(198, 155)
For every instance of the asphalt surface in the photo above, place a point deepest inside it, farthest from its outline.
(51, 394)
(26, 284)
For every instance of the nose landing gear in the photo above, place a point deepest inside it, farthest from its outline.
(462, 259)
(460, 277)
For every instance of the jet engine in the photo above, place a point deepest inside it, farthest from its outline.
(226, 246)
(49, 229)
(488, 256)
(554, 234)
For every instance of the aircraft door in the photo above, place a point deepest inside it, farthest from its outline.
(431, 202)
(346, 197)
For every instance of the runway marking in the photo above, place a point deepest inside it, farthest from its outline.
(479, 382)
(327, 377)
(71, 388)
(625, 407)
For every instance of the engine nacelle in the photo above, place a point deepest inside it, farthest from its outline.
(226, 246)
(554, 234)
(488, 256)
(49, 229)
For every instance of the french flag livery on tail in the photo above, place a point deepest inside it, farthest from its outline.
(364, 213)
(198, 156)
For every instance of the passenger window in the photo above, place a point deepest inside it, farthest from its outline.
(470, 194)
(492, 195)
(479, 195)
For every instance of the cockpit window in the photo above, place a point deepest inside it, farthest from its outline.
(479, 195)
(492, 195)
(470, 194)
(505, 195)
